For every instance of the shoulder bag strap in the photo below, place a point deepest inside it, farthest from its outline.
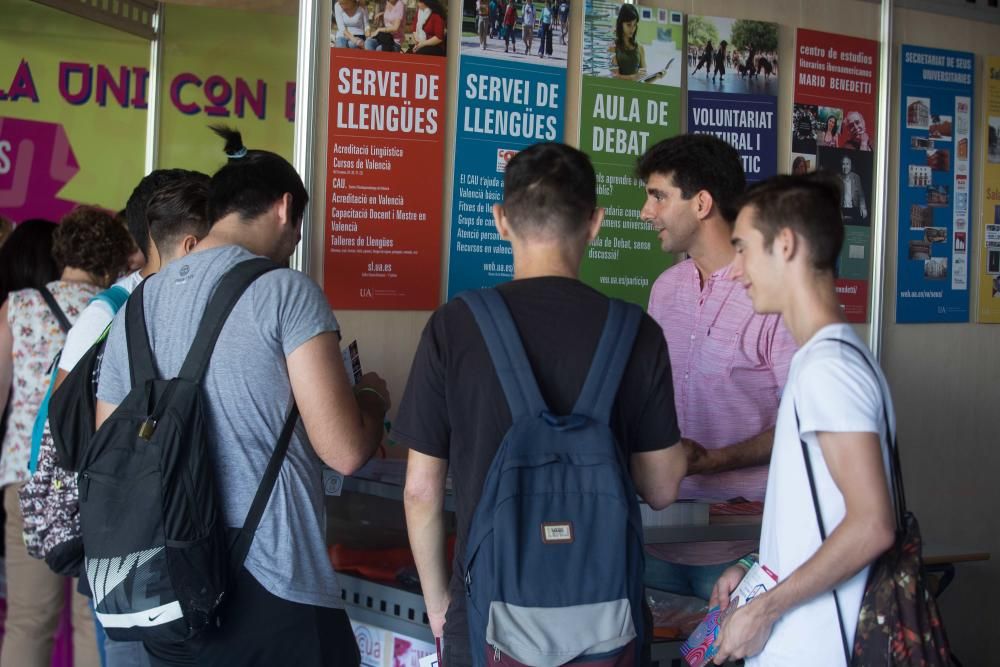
(610, 359)
(507, 352)
(241, 546)
(822, 530)
(229, 290)
(64, 322)
(896, 471)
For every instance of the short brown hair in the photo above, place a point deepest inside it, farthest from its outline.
(90, 239)
(177, 209)
(809, 205)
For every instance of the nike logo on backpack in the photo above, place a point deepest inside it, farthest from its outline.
(106, 574)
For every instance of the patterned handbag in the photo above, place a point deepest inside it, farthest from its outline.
(899, 622)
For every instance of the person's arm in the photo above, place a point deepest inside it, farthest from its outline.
(344, 428)
(867, 530)
(657, 475)
(423, 500)
(6, 356)
(754, 451)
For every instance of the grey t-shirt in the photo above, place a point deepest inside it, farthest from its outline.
(247, 395)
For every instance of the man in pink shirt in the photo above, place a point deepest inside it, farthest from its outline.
(729, 364)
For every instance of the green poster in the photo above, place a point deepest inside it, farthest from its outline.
(631, 99)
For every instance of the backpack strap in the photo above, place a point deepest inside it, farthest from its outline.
(241, 546)
(507, 352)
(141, 366)
(612, 355)
(227, 293)
(64, 322)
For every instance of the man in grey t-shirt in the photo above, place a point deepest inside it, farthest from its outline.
(280, 341)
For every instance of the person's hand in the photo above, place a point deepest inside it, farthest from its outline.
(359, 42)
(864, 211)
(435, 617)
(745, 631)
(725, 586)
(697, 456)
(371, 384)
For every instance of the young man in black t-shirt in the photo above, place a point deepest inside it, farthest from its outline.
(454, 412)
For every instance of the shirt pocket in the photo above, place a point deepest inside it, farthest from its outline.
(717, 354)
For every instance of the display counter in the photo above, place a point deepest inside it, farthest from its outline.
(368, 518)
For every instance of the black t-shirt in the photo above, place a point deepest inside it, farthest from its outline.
(454, 407)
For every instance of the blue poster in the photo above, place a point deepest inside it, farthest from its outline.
(733, 88)
(935, 174)
(749, 123)
(507, 101)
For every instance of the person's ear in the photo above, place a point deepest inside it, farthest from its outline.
(787, 244)
(283, 209)
(594, 227)
(704, 202)
(500, 221)
(188, 244)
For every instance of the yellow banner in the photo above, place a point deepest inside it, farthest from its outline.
(989, 238)
(74, 96)
(225, 67)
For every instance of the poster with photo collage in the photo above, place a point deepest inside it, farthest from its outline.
(833, 129)
(935, 175)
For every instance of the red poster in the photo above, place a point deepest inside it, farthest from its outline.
(385, 158)
(833, 128)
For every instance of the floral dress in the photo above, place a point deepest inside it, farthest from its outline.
(37, 338)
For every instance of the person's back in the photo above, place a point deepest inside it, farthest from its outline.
(285, 604)
(248, 404)
(455, 414)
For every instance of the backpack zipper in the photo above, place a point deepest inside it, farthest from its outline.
(496, 653)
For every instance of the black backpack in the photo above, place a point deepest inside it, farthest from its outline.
(73, 405)
(156, 550)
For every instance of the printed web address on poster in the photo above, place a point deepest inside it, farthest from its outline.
(921, 294)
(625, 281)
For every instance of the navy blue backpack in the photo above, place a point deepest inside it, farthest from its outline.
(554, 559)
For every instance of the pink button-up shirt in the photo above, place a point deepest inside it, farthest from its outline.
(729, 366)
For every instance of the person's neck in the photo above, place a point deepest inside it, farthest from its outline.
(713, 250)
(154, 261)
(811, 304)
(74, 275)
(546, 261)
(230, 230)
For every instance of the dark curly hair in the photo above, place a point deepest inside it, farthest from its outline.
(92, 240)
